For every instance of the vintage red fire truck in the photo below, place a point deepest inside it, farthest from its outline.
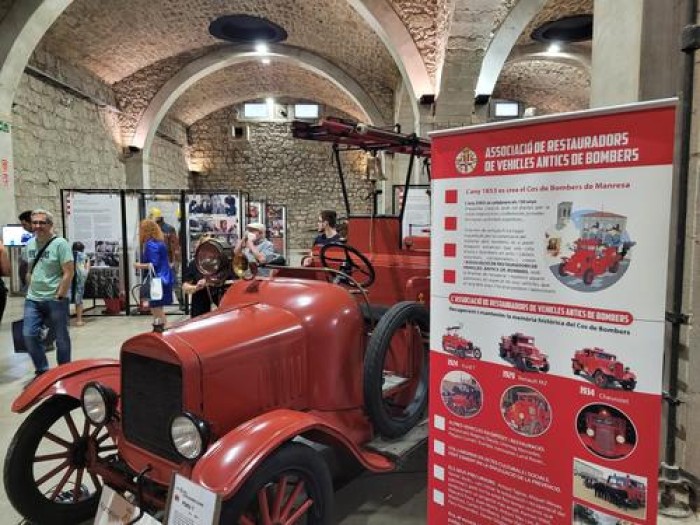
(590, 259)
(455, 344)
(607, 434)
(521, 351)
(622, 491)
(463, 399)
(529, 414)
(241, 400)
(603, 368)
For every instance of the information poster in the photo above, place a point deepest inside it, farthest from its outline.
(550, 245)
(95, 220)
(276, 223)
(6, 174)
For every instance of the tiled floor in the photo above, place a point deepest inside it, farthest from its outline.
(398, 498)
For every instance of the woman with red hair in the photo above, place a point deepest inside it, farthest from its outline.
(154, 255)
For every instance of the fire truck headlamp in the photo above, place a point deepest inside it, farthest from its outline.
(620, 439)
(189, 436)
(590, 432)
(99, 403)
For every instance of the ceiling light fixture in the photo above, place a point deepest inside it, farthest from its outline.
(247, 29)
(554, 47)
(261, 47)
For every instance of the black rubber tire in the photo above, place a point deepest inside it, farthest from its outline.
(290, 459)
(588, 277)
(562, 270)
(545, 368)
(18, 476)
(502, 351)
(614, 267)
(386, 424)
(477, 353)
(629, 385)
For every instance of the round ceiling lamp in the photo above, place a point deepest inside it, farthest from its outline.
(577, 28)
(245, 29)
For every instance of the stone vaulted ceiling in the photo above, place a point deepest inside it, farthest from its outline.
(136, 46)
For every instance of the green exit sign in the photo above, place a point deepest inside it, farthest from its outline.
(4, 127)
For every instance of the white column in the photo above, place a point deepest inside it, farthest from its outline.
(616, 58)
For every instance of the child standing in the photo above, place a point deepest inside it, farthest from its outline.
(82, 268)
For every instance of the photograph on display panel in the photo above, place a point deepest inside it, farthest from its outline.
(213, 214)
(276, 215)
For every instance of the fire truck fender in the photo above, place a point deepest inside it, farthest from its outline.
(69, 380)
(233, 458)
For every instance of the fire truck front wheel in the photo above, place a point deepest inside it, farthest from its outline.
(291, 485)
(562, 269)
(46, 476)
(629, 385)
(614, 267)
(588, 276)
(477, 353)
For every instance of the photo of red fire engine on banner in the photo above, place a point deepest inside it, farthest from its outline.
(548, 290)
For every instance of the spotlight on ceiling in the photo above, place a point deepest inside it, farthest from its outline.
(261, 47)
(577, 28)
(246, 29)
(554, 47)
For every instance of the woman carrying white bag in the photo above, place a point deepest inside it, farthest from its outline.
(154, 258)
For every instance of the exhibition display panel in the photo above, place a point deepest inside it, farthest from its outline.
(549, 262)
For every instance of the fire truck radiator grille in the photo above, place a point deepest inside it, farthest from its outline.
(151, 397)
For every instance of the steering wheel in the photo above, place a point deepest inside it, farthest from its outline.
(352, 259)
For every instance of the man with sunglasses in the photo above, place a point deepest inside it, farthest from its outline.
(50, 275)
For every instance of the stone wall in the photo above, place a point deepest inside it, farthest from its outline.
(168, 167)
(60, 141)
(272, 165)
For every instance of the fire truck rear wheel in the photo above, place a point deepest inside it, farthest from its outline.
(545, 368)
(286, 468)
(34, 502)
(562, 269)
(393, 416)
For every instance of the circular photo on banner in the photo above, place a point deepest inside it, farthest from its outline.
(588, 250)
(606, 431)
(526, 411)
(461, 394)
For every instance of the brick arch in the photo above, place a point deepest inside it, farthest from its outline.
(222, 58)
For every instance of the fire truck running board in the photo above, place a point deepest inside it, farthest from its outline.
(401, 447)
(392, 381)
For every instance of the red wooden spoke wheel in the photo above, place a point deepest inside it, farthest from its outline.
(292, 486)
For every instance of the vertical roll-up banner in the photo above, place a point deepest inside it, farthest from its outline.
(550, 249)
